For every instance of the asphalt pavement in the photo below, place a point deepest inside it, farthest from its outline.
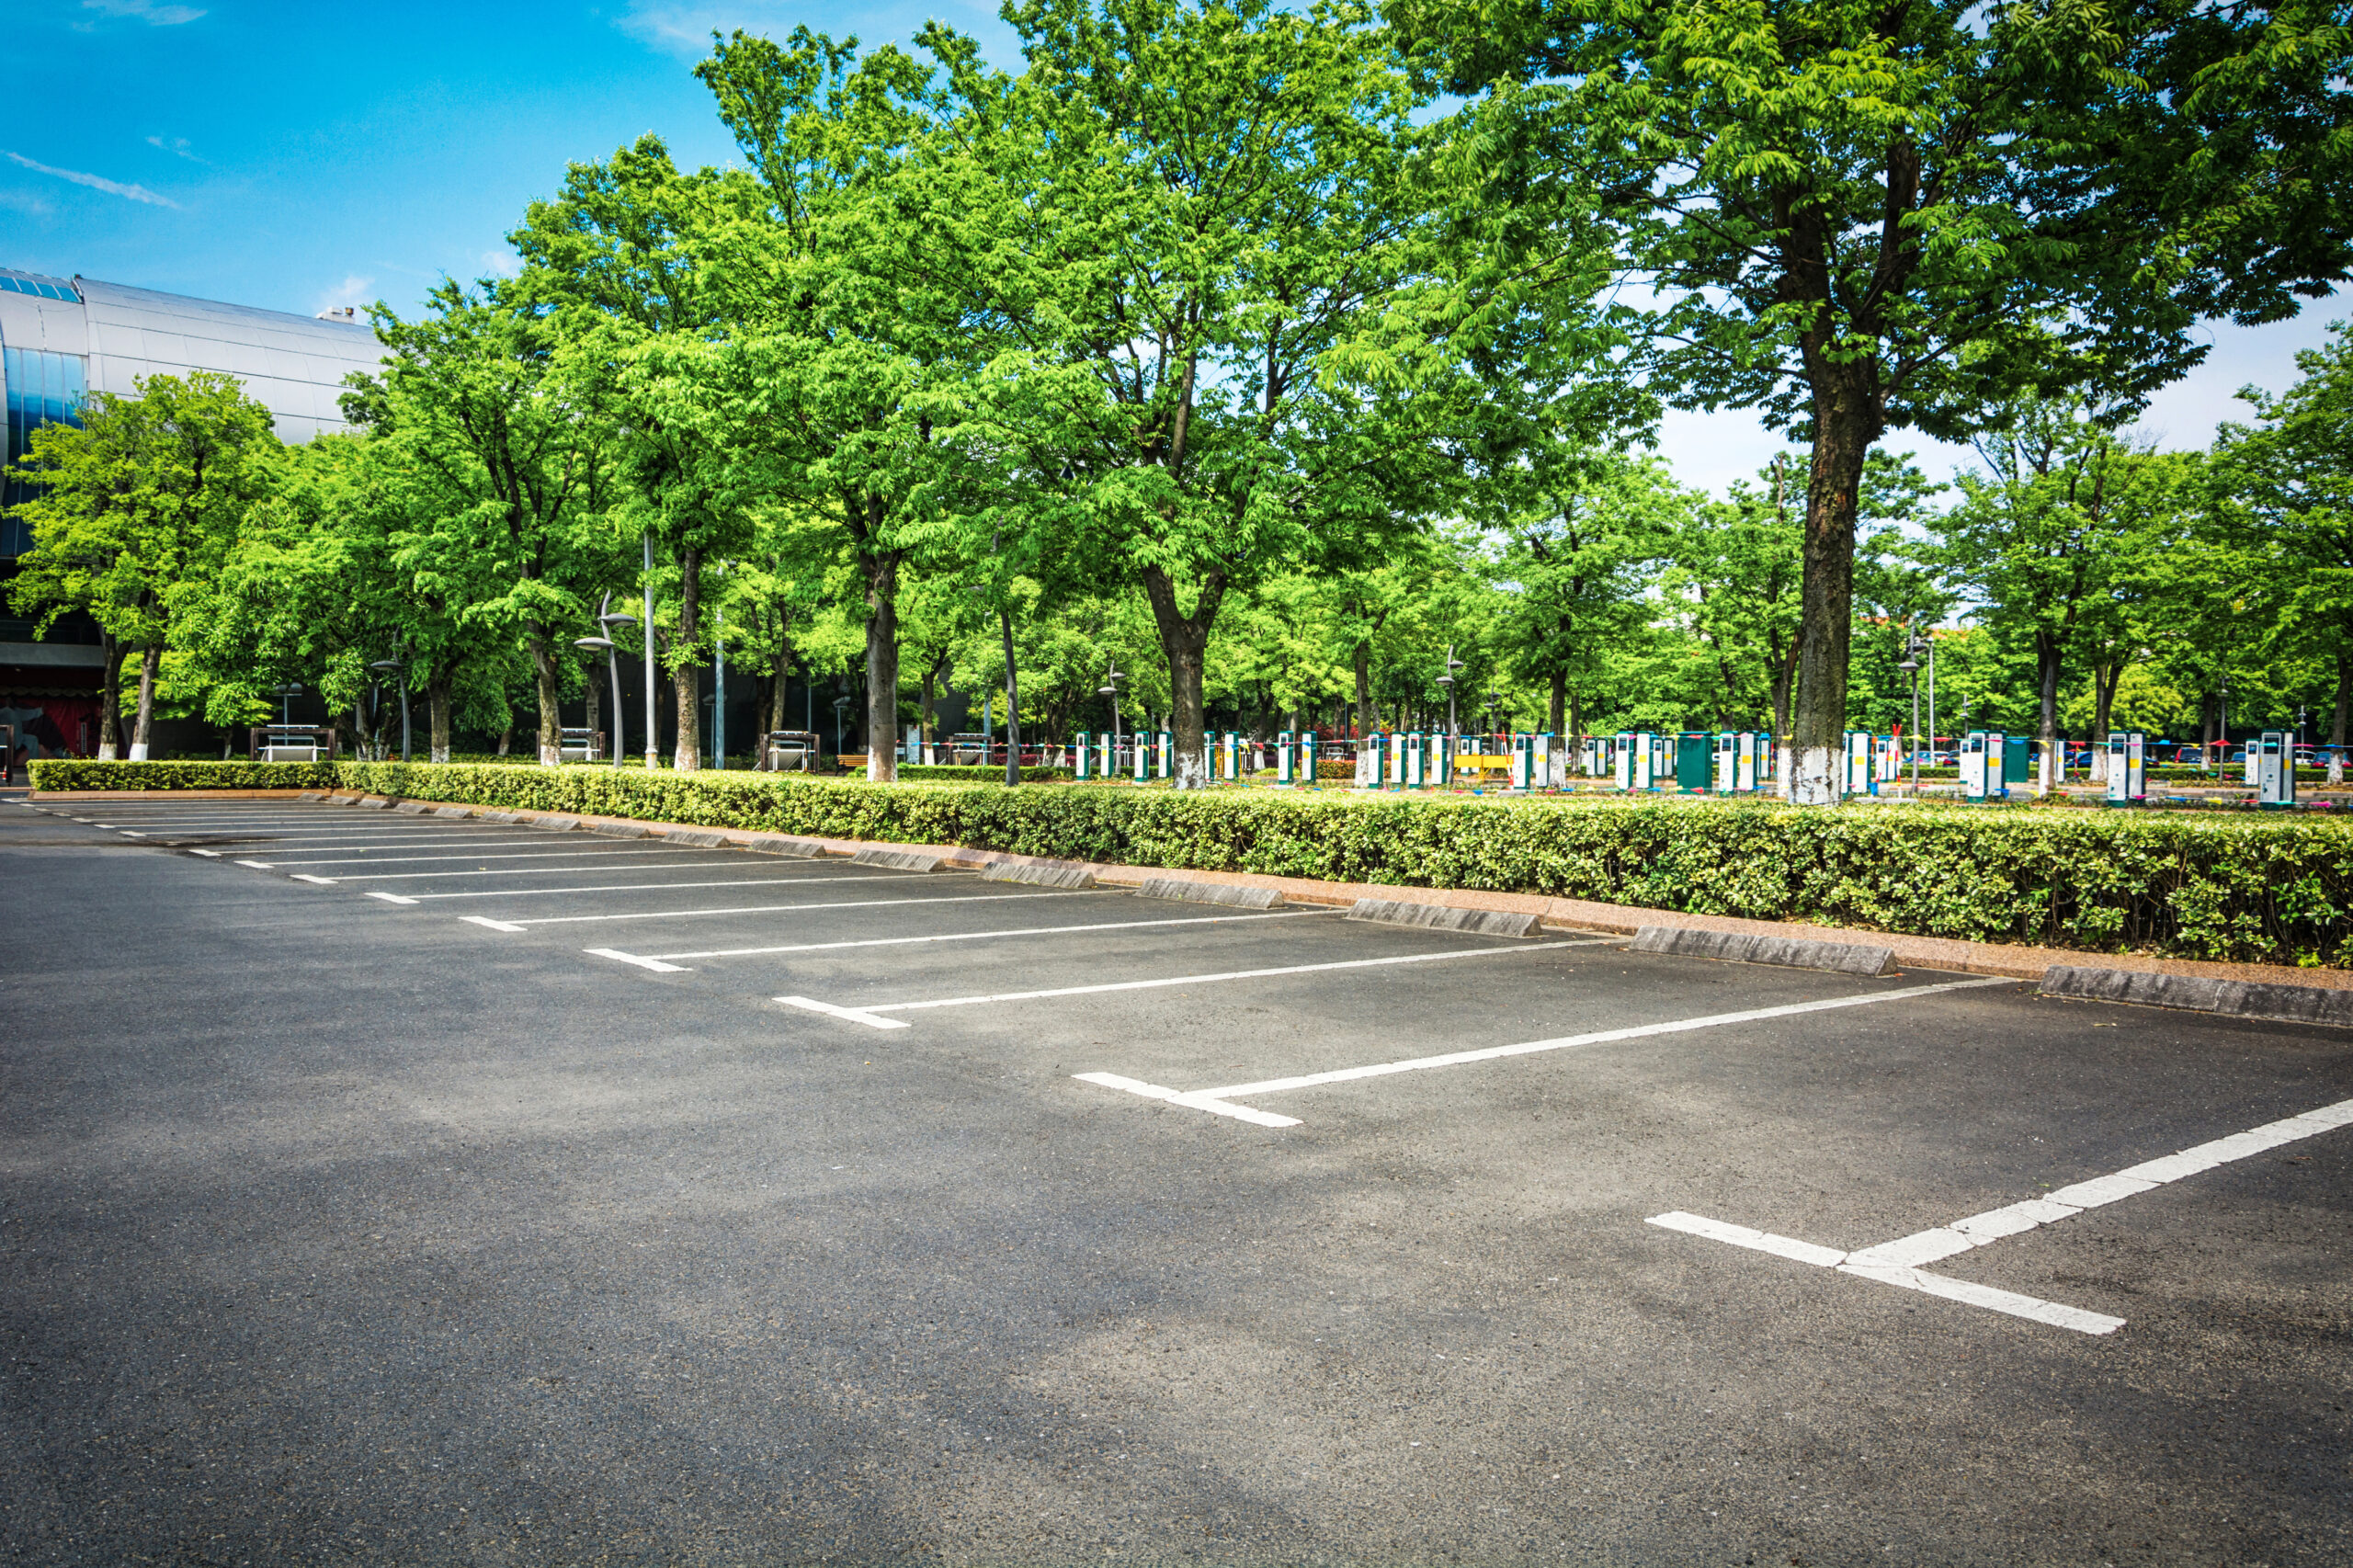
(378, 1187)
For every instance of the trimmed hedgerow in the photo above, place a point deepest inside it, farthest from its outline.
(76, 773)
(2264, 888)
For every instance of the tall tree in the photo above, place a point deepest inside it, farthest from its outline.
(853, 336)
(1861, 215)
(623, 262)
(1186, 215)
(2293, 471)
(137, 509)
(2044, 537)
(498, 473)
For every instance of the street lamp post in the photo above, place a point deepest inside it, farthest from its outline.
(1910, 666)
(1110, 689)
(611, 624)
(653, 731)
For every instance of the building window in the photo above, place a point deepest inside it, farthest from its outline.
(43, 389)
(37, 289)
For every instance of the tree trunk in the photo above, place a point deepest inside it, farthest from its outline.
(1843, 430)
(151, 663)
(2106, 678)
(2047, 648)
(2344, 701)
(506, 738)
(1557, 714)
(685, 682)
(595, 703)
(1367, 719)
(437, 717)
(1184, 640)
(881, 666)
(782, 677)
(549, 689)
(110, 699)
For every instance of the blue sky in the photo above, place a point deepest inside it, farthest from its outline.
(298, 157)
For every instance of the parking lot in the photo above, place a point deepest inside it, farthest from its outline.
(382, 1185)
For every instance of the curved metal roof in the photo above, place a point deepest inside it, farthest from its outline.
(295, 365)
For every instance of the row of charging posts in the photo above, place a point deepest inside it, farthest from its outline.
(1410, 760)
(1697, 760)
(1098, 756)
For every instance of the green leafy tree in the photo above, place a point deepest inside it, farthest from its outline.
(1181, 214)
(136, 510)
(2292, 470)
(628, 263)
(496, 475)
(1859, 216)
(842, 378)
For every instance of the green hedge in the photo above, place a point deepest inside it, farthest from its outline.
(2267, 888)
(74, 773)
(2270, 889)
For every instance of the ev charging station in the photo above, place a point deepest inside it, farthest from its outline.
(1110, 754)
(1307, 757)
(2276, 781)
(1858, 762)
(1282, 759)
(1693, 759)
(1082, 753)
(1744, 770)
(1142, 758)
(1983, 759)
(1887, 759)
(1625, 761)
(1229, 758)
(1166, 753)
(2128, 779)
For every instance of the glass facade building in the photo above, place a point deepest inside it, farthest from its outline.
(63, 338)
(39, 388)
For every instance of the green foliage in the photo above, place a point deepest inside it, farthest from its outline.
(2263, 889)
(71, 773)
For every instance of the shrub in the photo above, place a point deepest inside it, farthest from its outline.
(2228, 886)
(76, 773)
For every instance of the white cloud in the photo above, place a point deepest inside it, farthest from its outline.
(353, 290)
(686, 29)
(176, 147)
(31, 203)
(145, 11)
(98, 182)
(502, 263)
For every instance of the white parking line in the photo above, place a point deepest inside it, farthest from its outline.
(648, 887)
(1217, 1102)
(1898, 1262)
(258, 865)
(208, 854)
(376, 892)
(762, 908)
(656, 965)
(979, 935)
(867, 1013)
(504, 871)
(582, 852)
(305, 877)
